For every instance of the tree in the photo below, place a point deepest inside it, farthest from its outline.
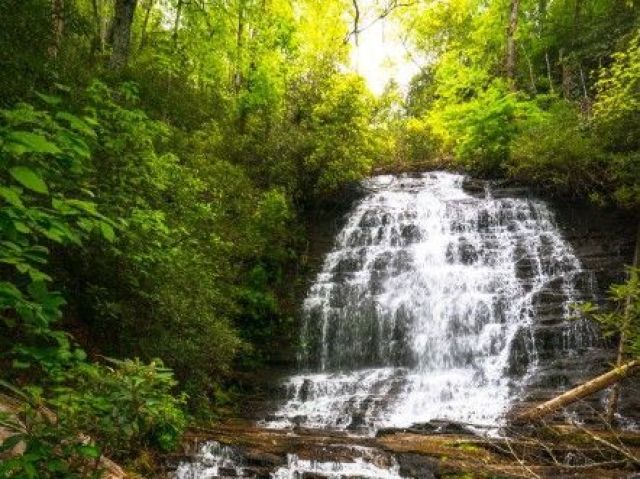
(510, 61)
(57, 26)
(123, 14)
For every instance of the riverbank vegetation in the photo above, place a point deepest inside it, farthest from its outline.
(160, 160)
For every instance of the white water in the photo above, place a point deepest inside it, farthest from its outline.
(367, 464)
(414, 313)
(216, 461)
(212, 460)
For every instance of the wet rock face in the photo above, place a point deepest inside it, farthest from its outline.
(570, 352)
(427, 277)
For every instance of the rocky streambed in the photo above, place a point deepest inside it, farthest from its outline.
(441, 449)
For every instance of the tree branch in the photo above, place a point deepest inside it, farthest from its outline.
(388, 10)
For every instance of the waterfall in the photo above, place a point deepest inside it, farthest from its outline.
(424, 307)
(434, 303)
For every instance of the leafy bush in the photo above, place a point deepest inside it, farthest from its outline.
(485, 127)
(125, 407)
(623, 319)
(93, 410)
(617, 106)
(557, 152)
(342, 148)
(45, 201)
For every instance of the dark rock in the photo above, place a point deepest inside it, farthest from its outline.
(227, 472)
(410, 234)
(299, 420)
(314, 475)
(257, 472)
(467, 252)
(475, 186)
(370, 219)
(263, 459)
(418, 466)
(440, 426)
(519, 356)
(357, 421)
(509, 192)
(305, 390)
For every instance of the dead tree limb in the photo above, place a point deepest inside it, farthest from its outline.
(388, 10)
(621, 450)
(590, 387)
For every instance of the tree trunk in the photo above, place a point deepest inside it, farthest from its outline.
(176, 25)
(356, 21)
(532, 78)
(121, 37)
(567, 76)
(100, 25)
(614, 396)
(549, 78)
(510, 62)
(145, 23)
(542, 23)
(577, 393)
(57, 27)
(237, 80)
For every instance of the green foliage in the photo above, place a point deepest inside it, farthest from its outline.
(557, 153)
(99, 411)
(342, 150)
(482, 129)
(156, 211)
(44, 202)
(124, 407)
(623, 320)
(618, 102)
(565, 120)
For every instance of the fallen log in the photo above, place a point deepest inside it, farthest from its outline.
(579, 392)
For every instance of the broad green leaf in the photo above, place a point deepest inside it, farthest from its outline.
(18, 392)
(17, 364)
(76, 123)
(21, 227)
(107, 231)
(9, 290)
(62, 87)
(11, 196)
(29, 179)
(12, 441)
(86, 206)
(27, 142)
(49, 99)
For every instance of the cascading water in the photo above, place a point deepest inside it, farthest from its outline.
(434, 304)
(414, 314)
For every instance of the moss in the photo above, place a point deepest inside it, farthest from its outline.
(467, 447)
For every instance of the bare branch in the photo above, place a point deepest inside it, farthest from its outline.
(388, 10)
